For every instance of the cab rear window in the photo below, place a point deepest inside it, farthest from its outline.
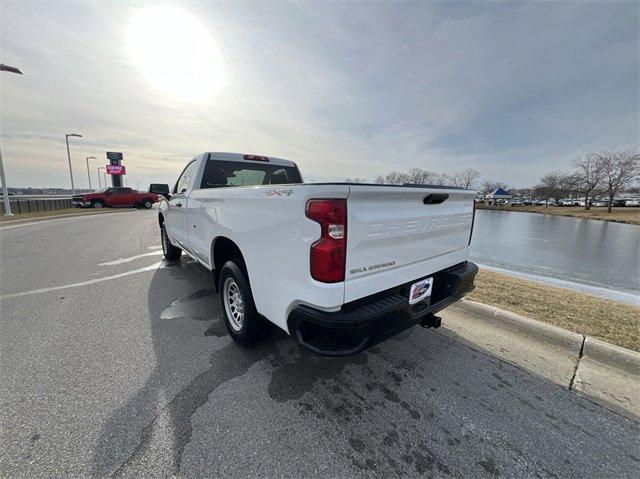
(231, 173)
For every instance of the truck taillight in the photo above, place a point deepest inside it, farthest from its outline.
(329, 253)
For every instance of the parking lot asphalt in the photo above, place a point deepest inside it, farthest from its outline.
(115, 363)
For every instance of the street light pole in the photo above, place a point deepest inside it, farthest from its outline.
(5, 191)
(66, 137)
(88, 174)
(99, 182)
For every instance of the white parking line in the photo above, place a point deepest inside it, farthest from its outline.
(130, 258)
(83, 283)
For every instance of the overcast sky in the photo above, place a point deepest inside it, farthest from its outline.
(513, 90)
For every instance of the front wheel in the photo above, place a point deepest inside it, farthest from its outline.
(96, 204)
(243, 322)
(147, 204)
(172, 253)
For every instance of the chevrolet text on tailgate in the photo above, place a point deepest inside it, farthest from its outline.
(338, 266)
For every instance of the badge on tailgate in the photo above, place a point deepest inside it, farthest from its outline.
(420, 290)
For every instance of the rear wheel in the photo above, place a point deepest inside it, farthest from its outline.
(147, 204)
(172, 253)
(243, 322)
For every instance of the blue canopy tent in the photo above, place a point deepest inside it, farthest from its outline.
(498, 194)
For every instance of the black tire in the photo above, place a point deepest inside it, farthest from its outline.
(147, 204)
(253, 328)
(172, 253)
(97, 204)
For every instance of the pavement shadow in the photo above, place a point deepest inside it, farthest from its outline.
(419, 404)
(180, 296)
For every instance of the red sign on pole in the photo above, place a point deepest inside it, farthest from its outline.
(116, 170)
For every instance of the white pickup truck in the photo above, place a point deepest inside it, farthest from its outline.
(338, 266)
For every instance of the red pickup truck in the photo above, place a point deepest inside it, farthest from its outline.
(115, 197)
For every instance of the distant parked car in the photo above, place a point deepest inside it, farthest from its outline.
(634, 202)
(569, 202)
(516, 202)
(599, 203)
(115, 197)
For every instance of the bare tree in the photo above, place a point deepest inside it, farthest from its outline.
(589, 175)
(619, 169)
(393, 178)
(356, 180)
(556, 185)
(489, 185)
(440, 179)
(418, 176)
(549, 186)
(465, 179)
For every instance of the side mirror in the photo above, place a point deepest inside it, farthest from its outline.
(159, 189)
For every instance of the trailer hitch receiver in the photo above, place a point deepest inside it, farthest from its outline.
(431, 321)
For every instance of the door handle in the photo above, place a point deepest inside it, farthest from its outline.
(179, 205)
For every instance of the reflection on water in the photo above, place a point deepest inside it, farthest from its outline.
(596, 254)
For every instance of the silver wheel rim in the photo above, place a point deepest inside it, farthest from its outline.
(97, 205)
(233, 304)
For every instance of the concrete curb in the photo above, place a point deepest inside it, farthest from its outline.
(595, 349)
(521, 324)
(611, 355)
(602, 372)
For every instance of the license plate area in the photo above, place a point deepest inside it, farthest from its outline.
(420, 290)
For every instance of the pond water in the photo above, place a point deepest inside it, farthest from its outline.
(598, 257)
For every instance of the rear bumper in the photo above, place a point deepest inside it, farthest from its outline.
(368, 321)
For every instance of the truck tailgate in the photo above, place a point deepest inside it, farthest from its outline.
(399, 234)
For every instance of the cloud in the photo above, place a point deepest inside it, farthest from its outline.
(512, 90)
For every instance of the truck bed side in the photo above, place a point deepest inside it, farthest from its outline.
(269, 225)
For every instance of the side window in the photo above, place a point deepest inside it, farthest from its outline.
(183, 182)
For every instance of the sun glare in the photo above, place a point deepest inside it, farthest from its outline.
(175, 52)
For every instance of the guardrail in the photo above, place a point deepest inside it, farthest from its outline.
(31, 205)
